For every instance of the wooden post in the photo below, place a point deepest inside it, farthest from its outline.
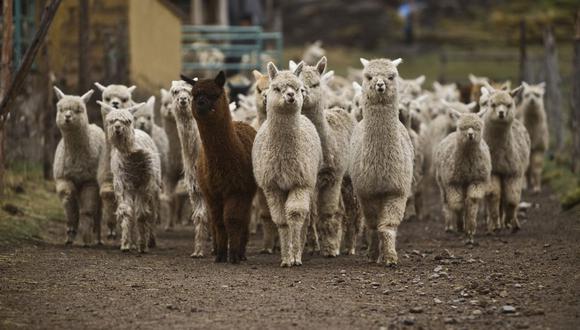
(84, 35)
(576, 99)
(5, 77)
(13, 88)
(553, 93)
(523, 53)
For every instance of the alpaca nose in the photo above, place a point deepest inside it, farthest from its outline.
(67, 117)
(470, 135)
(501, 114)
(115, 104)
(380, 86)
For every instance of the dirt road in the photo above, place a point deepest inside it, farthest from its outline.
(527, 280)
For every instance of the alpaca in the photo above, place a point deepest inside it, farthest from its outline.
(174, 169)
(76, 161)
(119, 97)
(449, 93)
(262, 211)
(532, 113)
(381, 159)
(334, 127)
(190, 148)
(224, 167)
(475, 89)
(313, 53)
(136, 169)
(463, 170)
(287, 156)
(412, 87)
(509, 145)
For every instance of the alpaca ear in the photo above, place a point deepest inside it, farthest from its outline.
(472, 79)
(471, 106)
(272, 70)
(436, 85)
(58, 92)
(525, 84)
(164, 93)
(188, 80)
(87, 96)
(257, 75)
(131, 89)
(105, 107)
(482, 112)
(364, 62)
(357, 87)
(292, 65)
(100, 87)
(327, 76)
(542, 85)
(321, 65)
(232, 106)
(220, 79)
(516, 91)
(420, 80)
(454, 114)
(299, 68)
(484, 91)
(151, 105)
(421, 98)
(136, 107)
(397, 62)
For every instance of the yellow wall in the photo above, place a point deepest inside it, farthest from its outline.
(154, 45)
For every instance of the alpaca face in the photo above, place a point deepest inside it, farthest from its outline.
(117, 96)
(380, 78)
(209, 99)
(449, 93)
(285, 94)
(501, 107)
(166, 104)
(262, 85)
(71, 110)
(412, 87)
(311, 80)
(144, 117)
(120, 125)
(533, 96)
(181, 96)
(469, 127)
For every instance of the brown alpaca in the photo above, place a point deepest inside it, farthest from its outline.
(224, 167)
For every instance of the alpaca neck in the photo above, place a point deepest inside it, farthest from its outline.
(77, 139)
(497, 133)
(217, 136)
(381, 119)
(533, 113)
(187, 132)
(315, 112)
(126, 145)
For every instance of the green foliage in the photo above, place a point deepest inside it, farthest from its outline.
(29, 205)
(564, 182)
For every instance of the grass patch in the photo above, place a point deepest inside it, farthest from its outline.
(28, 206)
(564, 182)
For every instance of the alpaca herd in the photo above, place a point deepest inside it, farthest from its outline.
(318, 161)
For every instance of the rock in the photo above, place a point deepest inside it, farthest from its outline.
(438, 269)
(409, 320)
(437, 301)
(342, 271)
(476, 312)
(386, 291)
(503, 294)
(517, 285)
(508, 309)
(416, 310)
(450, 320)
(375, 284)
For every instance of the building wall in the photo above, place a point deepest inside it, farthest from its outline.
(154, 45)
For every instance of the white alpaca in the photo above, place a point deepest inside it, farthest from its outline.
(118, 97)
(381, 159)
(190, 147)
(76, 160)
(136, 169)
(287, 157)
(463, 169)
(334, 127)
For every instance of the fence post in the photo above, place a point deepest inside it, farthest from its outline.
(553, 93)
(575, 115)
(523, 53)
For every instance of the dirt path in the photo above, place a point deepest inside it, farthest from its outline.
(440, 283)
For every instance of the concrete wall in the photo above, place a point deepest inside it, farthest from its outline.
(154, 45)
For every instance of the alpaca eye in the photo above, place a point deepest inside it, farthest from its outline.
(315, 85)
(148, 117)
(277, 90)
(124, 100)
(369, 78)
(391, 77)
(107, 99)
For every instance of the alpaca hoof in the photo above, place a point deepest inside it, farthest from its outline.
(515, 229)
(168, 228)
(285, 264)
(111, 236)
(197, 255)
(125, 249)
(143, 251)
(68, 242)
(267, 251)
(297, 263)
(412, 217)
(470, 241)
(152, 243)
(391, 264)
(221, 258)
(449, 229)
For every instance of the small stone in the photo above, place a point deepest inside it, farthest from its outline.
(547, 245)
(449, 320)
(409, 321)
(503, 294)
(437, 301)
(342, 271)
(476, 312)
(416, 310)
(224, 286)
(386, 291)
(195, 310)
(517, 285)
(438, 269)
(508, 309)
(375, 284)
(434, 276)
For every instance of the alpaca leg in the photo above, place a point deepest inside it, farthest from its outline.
(200, 234)
(89, 203)
(418, 203)
(268, 226)
(297, 210)
(276, 203)
(143, 222)
(492, 201)
(536, 166)
(329, 225)
(351, 222)
(219, 231)
(475, 193)
(124, 217)
(512, 189)
(371, 210)
(109, 208)
(155, 209)
(393, 210)
(66, 192)
(455, 203)
(237, 220)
